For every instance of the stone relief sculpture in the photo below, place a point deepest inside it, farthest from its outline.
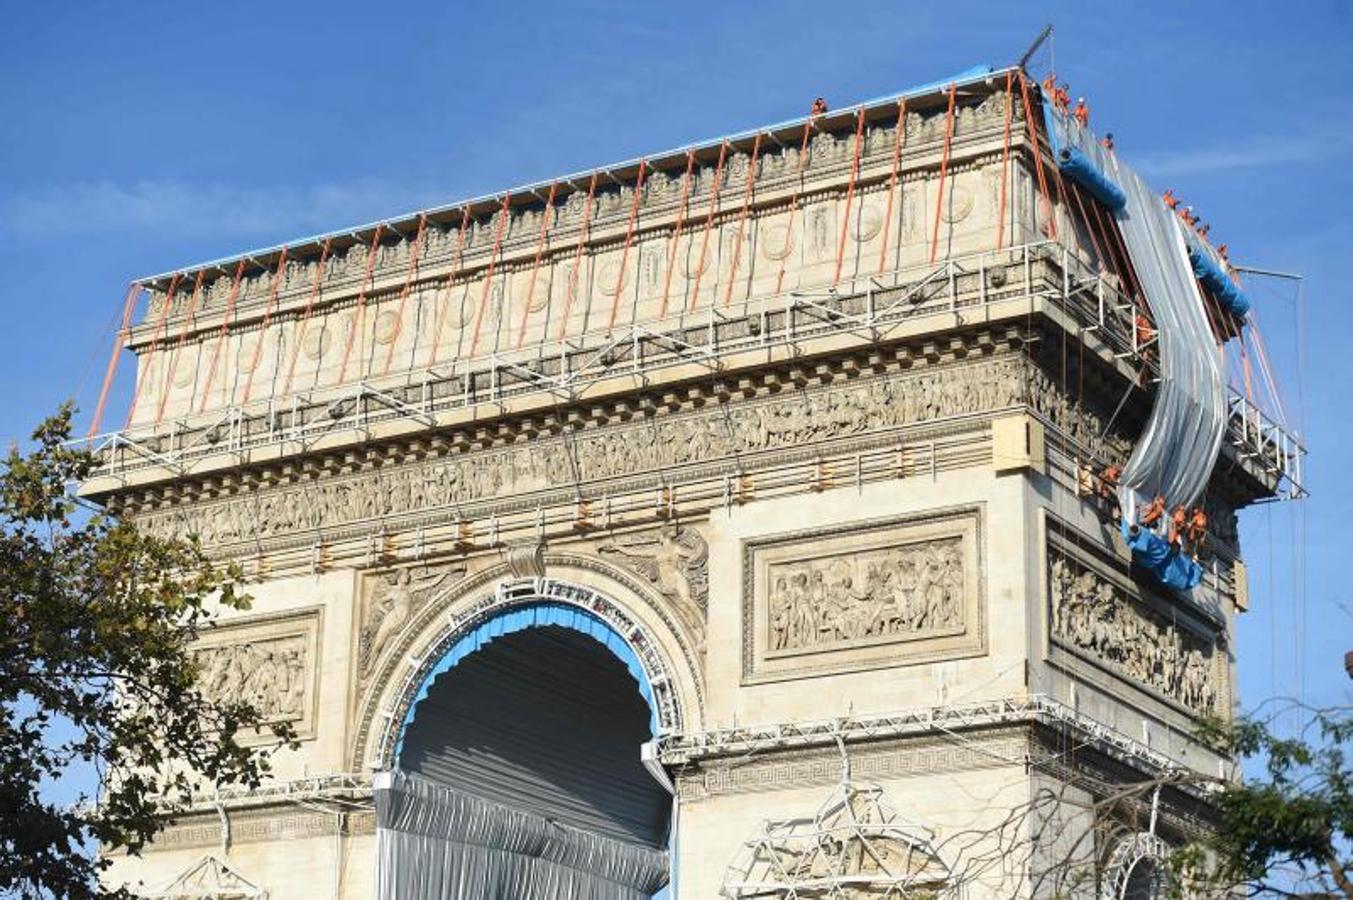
(270, 674)
(674, 558)
(393, 601)
(1096, 616)
(688, 438)
(912, 589)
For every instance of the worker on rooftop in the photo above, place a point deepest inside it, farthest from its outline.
(1107, 141)
(1170, 199)
(1153, 512)
(1188, 216)
(1196, 531)
(1203, 230)
(1062, 97)
(1082, 112)
(819, 107)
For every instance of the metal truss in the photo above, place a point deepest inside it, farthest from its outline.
(871, 310)
(348, 792)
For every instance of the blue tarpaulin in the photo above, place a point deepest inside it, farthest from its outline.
(1216, 281)
(1079, 168)
(1161, 559)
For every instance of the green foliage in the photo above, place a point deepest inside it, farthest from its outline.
(96, 670)
(1289, 830)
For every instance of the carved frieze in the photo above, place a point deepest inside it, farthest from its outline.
(1101, 618)
(876, 593)
(675, 560)
(269, 661)
(802, 418)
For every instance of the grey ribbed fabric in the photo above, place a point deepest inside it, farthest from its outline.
(434, 843)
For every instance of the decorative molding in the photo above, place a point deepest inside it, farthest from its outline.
(270, 661)
(878, 593)
(391, 599)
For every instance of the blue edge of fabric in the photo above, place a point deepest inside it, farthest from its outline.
(1222, 287)
(534, 615)
(1161, 559)
(1079, 168)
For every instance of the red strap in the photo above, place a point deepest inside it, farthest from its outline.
(898, 135)
(578, 257)
(119, 340)
(263, 326)
(944, 170)
(625, 251)
(709, 220)
(794, 204)
(359, 312)
(676, 232)
(850, 195)
(226, 321)
(742, 219)
(189, 320)
(1037, 149)
(316, 283)
(503, 215)
(410, 273)
(546, 221)
(459, 255)
(160, 323)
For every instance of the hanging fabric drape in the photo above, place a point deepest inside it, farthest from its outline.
(435, 843)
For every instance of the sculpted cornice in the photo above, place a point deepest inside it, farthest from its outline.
(456, 481)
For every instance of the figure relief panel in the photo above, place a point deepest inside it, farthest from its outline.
(1105, 620)
(675, 560)
(269, 661)
(391, 600)
(879, 593)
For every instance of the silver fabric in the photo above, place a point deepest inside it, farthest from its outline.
(435, 843)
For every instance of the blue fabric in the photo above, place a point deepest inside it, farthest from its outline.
(1162, 560)
(535, 615)
(1075, 164)
(1215, 280)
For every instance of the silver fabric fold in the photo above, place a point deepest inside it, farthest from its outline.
(435, 843)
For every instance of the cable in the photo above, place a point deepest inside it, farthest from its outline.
(625, 250)
(358, 313)
(263, 326)
(316, 284)
(709, 220)
(578, 256)
(850, 194)
(546, 221)
(944, 169)
(742, 219)
(898, 134)
(415, 254)
(459, 254)
(226, 321)
(794, 205)
(503, 215)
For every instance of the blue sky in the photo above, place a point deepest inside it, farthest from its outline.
(135, 138)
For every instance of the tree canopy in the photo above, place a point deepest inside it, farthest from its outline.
(97, 671)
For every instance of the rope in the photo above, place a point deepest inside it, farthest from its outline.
(546, 220)
(119, 338)
(794, 204)
(190, 320)
(220, 337)
(898, 134)
(503, 215)
(1048, 215)
(850, 195)
(358, 313)
(415, 254)
(944, 169)
(316, 282)
(742, 219)
(1005, 162)
(578, 256)
(459, 255)
(160, 323)
(625, 251)
(263, 326)
(709, 220)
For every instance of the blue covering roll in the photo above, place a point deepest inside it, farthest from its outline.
(1216, 281)
(1083, 172)
(1161, 559)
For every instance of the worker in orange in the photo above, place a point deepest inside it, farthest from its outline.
(1203, 230)
(1064, 96)
(1224, 252)
(1146, 332)
(1188, 216)
(819, 107)
(1196, 531)
(1107, 142)
(1082, 112)
(1049, 86)
(1153, 512)
(1170, 199)
(1179, 520)
(1108, 480)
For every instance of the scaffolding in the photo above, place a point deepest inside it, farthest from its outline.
(987, 287)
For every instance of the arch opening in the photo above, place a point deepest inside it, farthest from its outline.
(519, 767)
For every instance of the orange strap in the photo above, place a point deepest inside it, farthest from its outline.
(944, 169)
(119, 339)
(459, 255)
(676, 232)
(850, 195)
(1005, 163)
(546, 220)
(189, 320)
(1048, 214)
(316, 283)
(899, 134)
(742, 219)
(572, 292)
(415, 254)
(263, 326)
(503, 215)
(359, 312)
(226, 321)
(709, 220)
(794, 204)
(629, 236)
(1085, 219)
(160, 324)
